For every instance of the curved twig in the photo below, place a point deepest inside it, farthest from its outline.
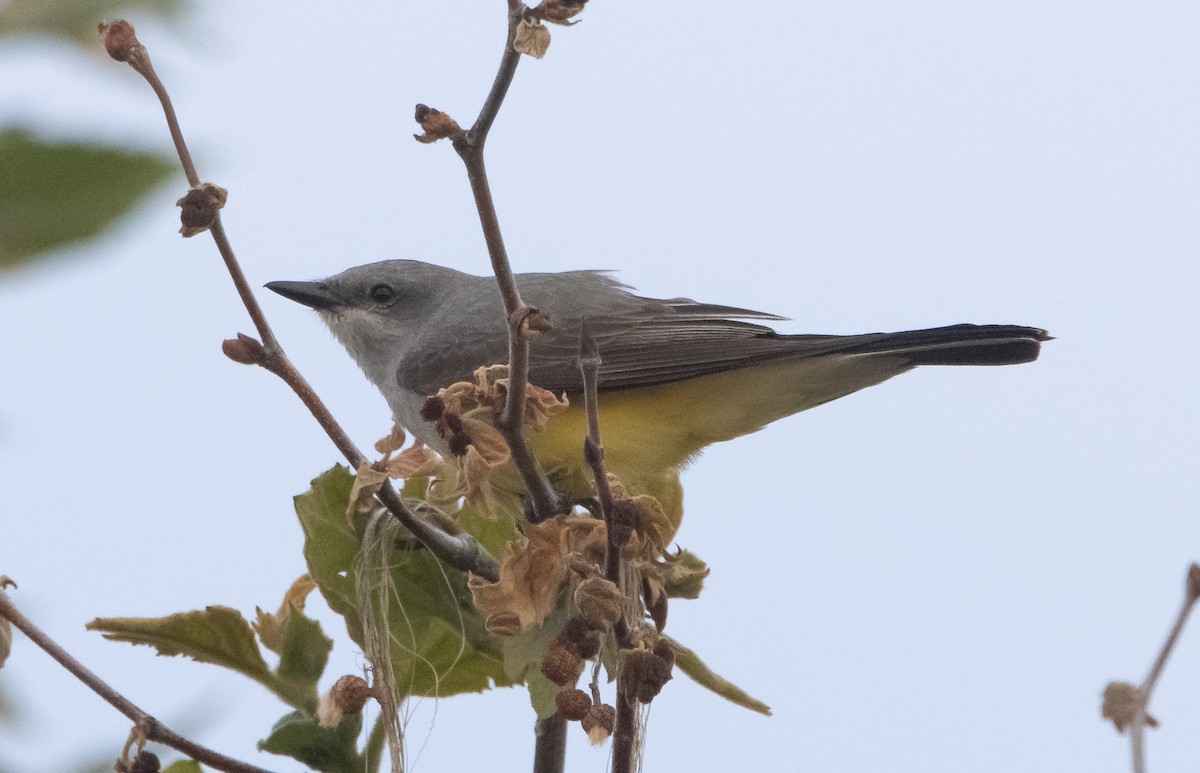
(625, 726)
(460, 551)
(1141, 718)
(150, 728)
(524, 322)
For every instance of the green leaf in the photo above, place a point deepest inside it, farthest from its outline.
(52, 193)
(494, 531)
(685, 578)
(523, 655)
(330, 543)
(75, 19)
(690, 664)
(328, 749)
(438, 643)
(217, 635)
(376, 744)
(302, 646)
(183, 766)
(305, 651)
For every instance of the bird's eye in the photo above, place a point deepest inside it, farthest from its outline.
(382, 294)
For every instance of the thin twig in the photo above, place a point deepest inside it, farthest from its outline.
(150, 728)
(522, 320)
(1137, 728)
(625, 726)
(462, 551)
(593, 454)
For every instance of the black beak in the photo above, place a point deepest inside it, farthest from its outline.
(315, 295)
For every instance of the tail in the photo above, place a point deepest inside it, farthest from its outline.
(956, 345)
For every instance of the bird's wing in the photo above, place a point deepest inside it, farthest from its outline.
(688, 339)
(643, 341)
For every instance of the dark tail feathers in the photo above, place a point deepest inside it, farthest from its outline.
(961, 345)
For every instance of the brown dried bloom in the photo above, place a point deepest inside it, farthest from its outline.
(560, 11)
(199, 208)
(531, 38)
(600, 603)
(530, 576)
(1122, 702)
(643, 672)
(435, 124)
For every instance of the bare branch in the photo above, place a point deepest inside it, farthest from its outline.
(151, 728)
(543, 501)
(460, 551)
(1127, 705)
(593, 454)
(625, 727)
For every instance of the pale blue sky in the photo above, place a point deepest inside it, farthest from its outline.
(938, 574)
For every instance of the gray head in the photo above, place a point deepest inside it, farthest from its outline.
(378, 310)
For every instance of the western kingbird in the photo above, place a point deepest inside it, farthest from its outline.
(676, 375)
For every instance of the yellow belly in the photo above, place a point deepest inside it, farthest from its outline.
(649, 434)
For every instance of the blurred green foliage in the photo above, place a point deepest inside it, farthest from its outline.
(76, 20)
(55, 193)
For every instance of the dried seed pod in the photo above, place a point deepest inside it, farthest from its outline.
(560, 665)
(350, 693)
(573, 705)
(599, 723)
(145, 762)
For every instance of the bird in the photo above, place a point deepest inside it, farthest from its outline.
(676, 375)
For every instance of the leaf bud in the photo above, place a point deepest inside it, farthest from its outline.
(532, 323)
(120, 40)
(244, 350)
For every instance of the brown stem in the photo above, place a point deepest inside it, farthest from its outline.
(1189, 602)
(460, 551)
(151, 728)
(624, 733)
(593, 454)
(550, 748)
(625, 725)
(139, 60)
(1137, 728)
(543, 502)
